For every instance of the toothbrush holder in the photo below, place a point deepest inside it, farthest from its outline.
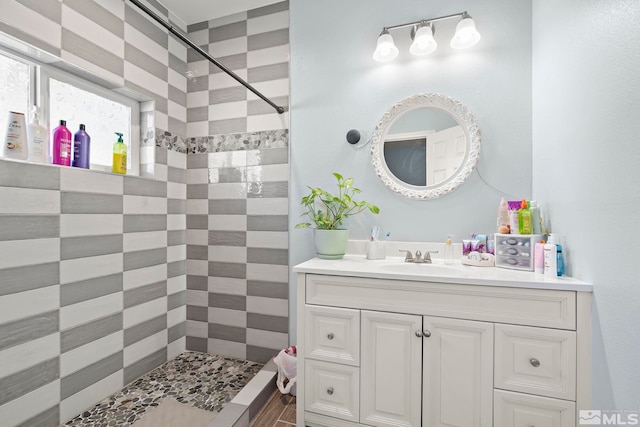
(376, 249)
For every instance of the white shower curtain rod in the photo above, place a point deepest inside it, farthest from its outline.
(204, 53)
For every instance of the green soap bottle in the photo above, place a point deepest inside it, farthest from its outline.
(524, 219)
(119, 156)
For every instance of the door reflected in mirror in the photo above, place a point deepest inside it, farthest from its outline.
(424, 147)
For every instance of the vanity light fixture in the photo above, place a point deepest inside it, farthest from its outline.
(386, 49)
(422, 33)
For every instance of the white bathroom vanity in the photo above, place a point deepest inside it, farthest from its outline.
(387, 343)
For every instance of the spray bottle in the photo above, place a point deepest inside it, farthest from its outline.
(503, 217)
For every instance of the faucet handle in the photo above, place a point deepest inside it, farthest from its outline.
(408, 257)
(427, 256)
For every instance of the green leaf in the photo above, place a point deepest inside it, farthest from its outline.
(328, 210)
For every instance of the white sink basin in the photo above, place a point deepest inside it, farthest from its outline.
(422, 269)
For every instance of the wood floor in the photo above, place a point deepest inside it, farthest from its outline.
(280, 411)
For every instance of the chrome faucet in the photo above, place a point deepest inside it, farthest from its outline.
(418, 259)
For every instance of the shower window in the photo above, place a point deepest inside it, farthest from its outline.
(102, 114)
(64, 96)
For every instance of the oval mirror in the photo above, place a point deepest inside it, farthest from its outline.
(425, 146)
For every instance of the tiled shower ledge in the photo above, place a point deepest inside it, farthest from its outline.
(236, 389)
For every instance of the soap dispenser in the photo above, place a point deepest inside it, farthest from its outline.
(448, 251)
(119, 156)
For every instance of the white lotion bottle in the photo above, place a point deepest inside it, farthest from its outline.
(37, 137)
(551, 257)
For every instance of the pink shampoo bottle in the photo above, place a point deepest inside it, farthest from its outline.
(61, 145)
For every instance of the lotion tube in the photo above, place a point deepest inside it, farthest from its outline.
(538, 258)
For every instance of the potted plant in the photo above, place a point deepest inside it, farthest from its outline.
(328, 211)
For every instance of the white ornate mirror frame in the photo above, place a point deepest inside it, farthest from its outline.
(459, 112)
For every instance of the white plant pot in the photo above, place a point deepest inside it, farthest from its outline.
(330, 244)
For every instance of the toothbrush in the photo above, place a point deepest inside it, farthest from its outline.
(375, 232)
(387, 237)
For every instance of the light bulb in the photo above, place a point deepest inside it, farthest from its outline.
(423, 41)
(386, 49)
(466, 34)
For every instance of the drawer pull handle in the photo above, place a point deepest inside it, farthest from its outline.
(419, 334)
(330, 336)
(426, 333)
(330, 391)
(534, 362)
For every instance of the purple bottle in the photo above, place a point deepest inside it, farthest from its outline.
(61, 145)
(81, 147)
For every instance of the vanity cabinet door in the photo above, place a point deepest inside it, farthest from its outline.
(390, 369)
(458, 373)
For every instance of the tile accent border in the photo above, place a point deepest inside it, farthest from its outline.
(277, 138)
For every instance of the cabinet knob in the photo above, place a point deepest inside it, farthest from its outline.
(534, 362)
(419, 334)
(330, 391)
(330, 336)
(426, 333)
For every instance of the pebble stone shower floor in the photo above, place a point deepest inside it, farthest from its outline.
(205, 381)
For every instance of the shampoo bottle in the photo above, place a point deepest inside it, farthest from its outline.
(119, 156)
(61, 145)
(15, 144)
(81, 148)
(448, 251)
(37, 137)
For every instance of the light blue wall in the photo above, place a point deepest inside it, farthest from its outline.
(586, 134)
(584, 111)
(337, 86)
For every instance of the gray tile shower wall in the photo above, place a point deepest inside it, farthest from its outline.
(255, 46)
(93, 284)
(237, 191)
(237, 252)
(94, 268)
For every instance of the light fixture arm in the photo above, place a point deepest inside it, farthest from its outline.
(426, 21)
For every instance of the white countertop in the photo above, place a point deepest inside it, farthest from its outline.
(396, 268)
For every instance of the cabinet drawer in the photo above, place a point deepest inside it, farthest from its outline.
(536, 360)
(523, 410)
(519, 306)
(332, 389)
(332, 334)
